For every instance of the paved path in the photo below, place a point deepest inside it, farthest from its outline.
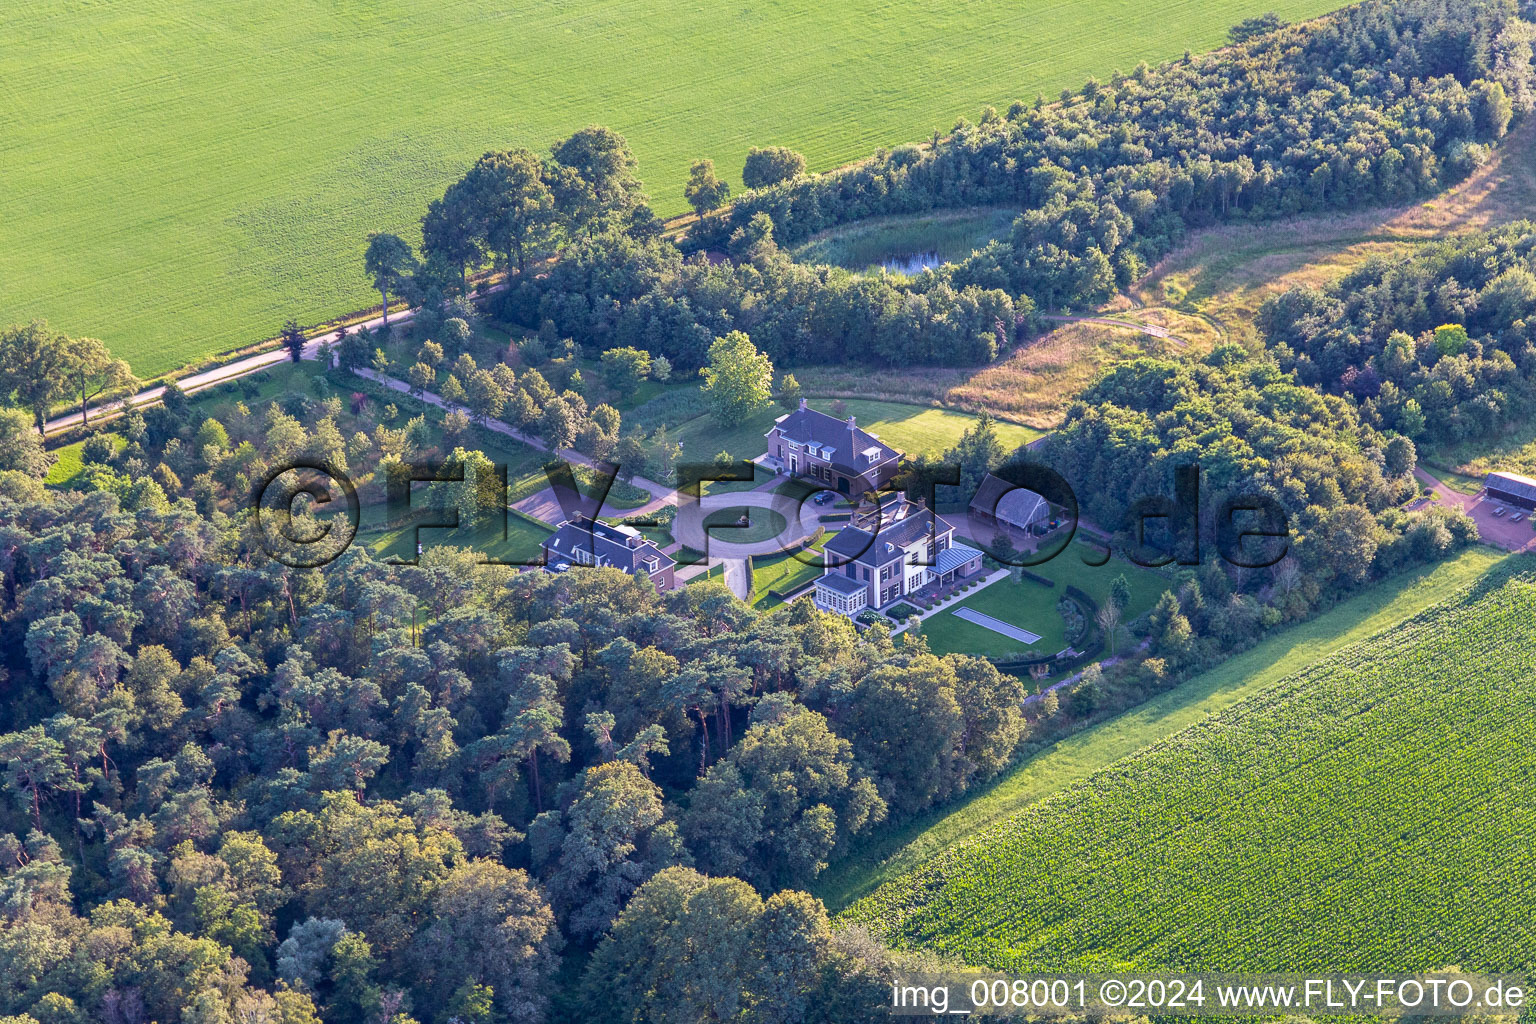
(800, 522)
(1495, 530)
(737, 580)
(661, 494)
(997, 575)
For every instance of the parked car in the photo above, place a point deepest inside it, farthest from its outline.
(823, 497)
(1499, 511)
(1517, 517)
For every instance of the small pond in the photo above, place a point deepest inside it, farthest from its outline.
(911, 263)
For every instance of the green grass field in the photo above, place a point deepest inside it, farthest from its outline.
(1032, 606)
(179, 179)
(517, 544)
(70, 461)
(762, 524)
(1369, 812)
(1080, 756)
(908, 428)
(785, 572)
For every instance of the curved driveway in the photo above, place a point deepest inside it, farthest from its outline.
(800, 521)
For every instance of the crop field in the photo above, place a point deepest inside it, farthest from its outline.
(178, 179)
(1369, 812)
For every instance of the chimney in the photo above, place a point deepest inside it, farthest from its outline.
(851, 424)
(802, 405)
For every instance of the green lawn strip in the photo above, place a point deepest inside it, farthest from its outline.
(520, 545)
(70, 462)
(784, 573)
(1080, 756)
(911, 429)
(1458, 482)
(1031, 605)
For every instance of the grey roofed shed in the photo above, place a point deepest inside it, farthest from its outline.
(1016, 506)
(1512, 487)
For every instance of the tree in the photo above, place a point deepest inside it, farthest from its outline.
(704, 191)
(1120, 592)
(389, 262)
(485, 396)
(1108, 618)
(34, 768)
(370, 865)
(612, 837)
(514, 208)
(1250, 28)
(421, 378)
(33, 362)
(630, 456)
(1400, 457)
(790, 392)
(601, 183)
(449, 232)
(489, 926)
(21, 447)
(977, 453)
(92, 370)
(763, 958)
(771, 165)
(738, 379)
(293, 339)
(626, 367)
(773, 810)
(1348, 541)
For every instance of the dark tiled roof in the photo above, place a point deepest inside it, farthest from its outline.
(850, 542)
(1512, 483)
(840, 583)
(610, 544)
(862, 546)
(840, 444)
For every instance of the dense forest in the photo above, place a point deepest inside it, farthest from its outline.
(382, 792)
(1380, 102)
(1439, 345)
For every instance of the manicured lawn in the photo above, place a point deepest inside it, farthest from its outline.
(762, 524)
(520, 545)
(784, 573)
(911, 429)
(181, 178)
(1032, 606)
(1077, 757)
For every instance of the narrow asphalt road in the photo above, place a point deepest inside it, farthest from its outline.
(228, 371)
